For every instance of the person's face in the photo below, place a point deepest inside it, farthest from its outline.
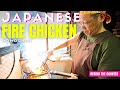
(90, 24)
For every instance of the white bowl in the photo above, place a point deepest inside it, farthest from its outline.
(55, 57)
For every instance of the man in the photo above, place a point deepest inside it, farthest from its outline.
(98, 49)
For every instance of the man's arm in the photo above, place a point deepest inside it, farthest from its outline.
(69, 42)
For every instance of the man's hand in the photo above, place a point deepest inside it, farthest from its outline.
(50, 52)
(73, 76)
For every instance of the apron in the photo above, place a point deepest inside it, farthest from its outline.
(81, 64)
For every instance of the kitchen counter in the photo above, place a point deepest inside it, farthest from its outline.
(61, 65)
